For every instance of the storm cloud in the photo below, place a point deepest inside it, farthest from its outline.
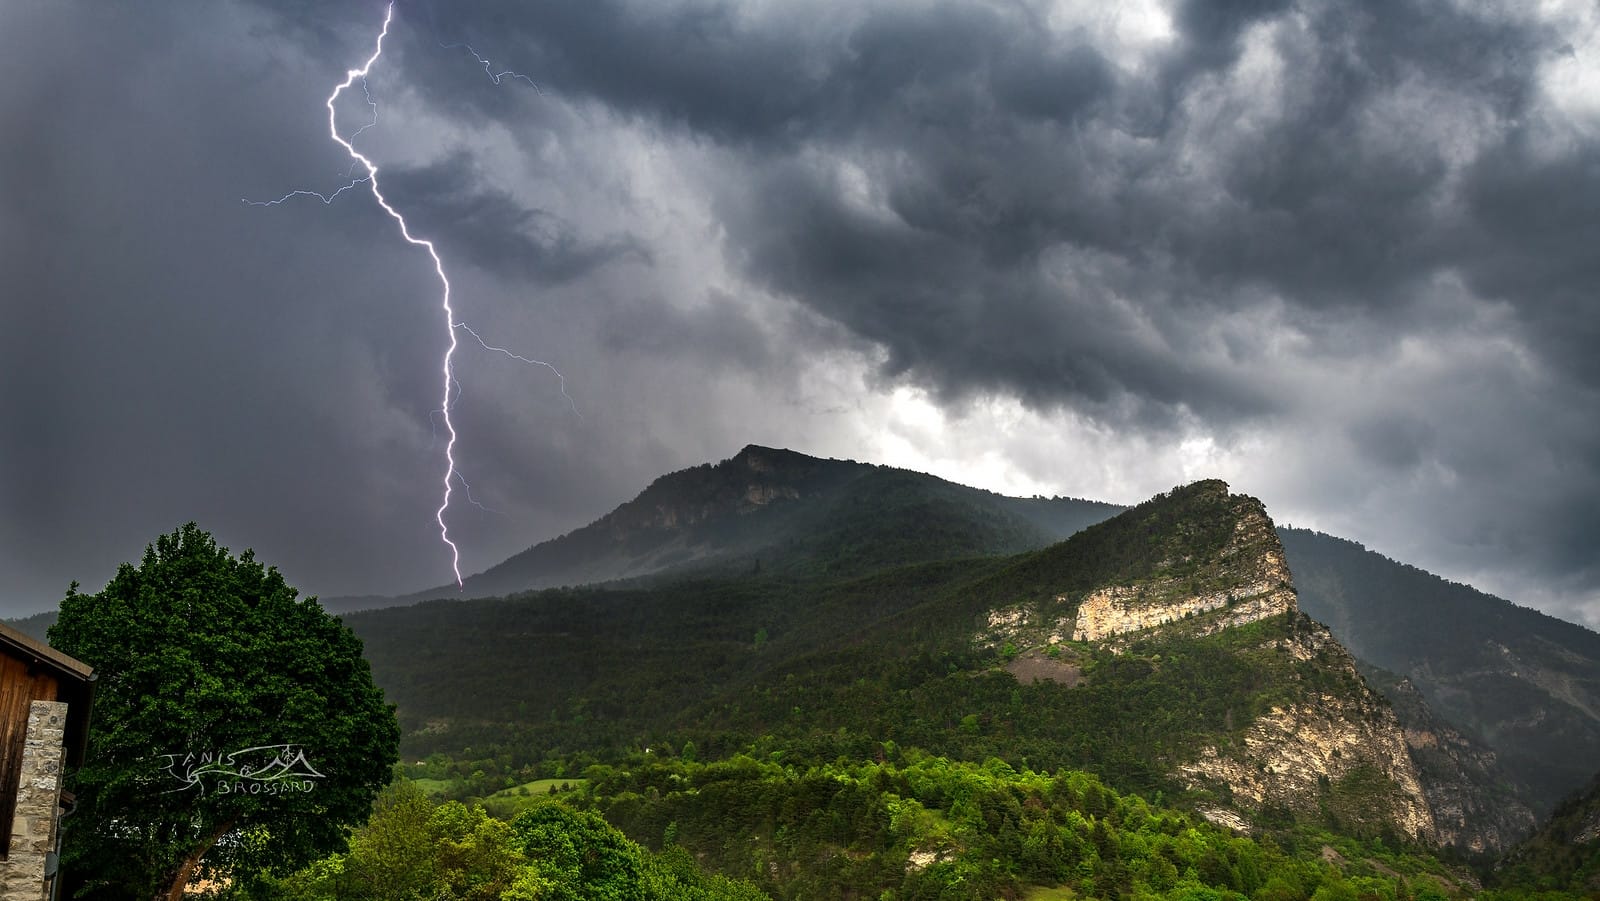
(1338, 253)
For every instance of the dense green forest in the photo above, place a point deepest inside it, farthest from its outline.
(828, 667)
(923, 826)
(413, 849)
(602, 667)
(901, 825)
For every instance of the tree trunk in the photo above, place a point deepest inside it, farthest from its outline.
(180, 879)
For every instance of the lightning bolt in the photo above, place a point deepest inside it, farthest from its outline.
(501, 350)
(447, 367)
(329, 198)
(325, 198)
(488, 68)
(472, 500)
(360, 161)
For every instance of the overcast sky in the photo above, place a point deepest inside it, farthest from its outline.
(1344, 255)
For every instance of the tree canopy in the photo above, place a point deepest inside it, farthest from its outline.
(413, 849)
(236, 728)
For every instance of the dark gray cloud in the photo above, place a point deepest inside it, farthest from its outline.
(720, 331)
(490, 228)
(1533, 237)
(1339, 252)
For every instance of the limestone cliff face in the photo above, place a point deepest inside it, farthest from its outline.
(1338, 755)
(1524, 683)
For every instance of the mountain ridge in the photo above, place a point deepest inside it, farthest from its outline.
(758, 505)
(1194, 563)
(836, 663)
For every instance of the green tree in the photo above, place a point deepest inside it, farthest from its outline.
(476, 859)
(392, 856)
(578, 856)
(201, 655)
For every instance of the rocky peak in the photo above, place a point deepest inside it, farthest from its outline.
(1244, 580)
(758, 459)
(754, 478)
(1204, 560)
(1197, 562)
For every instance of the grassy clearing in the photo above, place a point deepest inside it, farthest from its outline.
(508, 802)
(539, 788)
(432, 786)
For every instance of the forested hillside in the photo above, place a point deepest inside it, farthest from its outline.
(1526, 683)
(836, 665)
(933, 730)
(1564, 855)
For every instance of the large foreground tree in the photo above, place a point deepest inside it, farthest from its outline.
(236, 728)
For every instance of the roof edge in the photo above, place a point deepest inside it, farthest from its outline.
(44, 653)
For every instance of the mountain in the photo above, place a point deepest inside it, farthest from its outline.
(1201, 564)
(1526, 684)
(35, 626)
(1161, 649)
(774, 507)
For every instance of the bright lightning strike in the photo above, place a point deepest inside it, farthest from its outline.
(452, 473)
(447, 366)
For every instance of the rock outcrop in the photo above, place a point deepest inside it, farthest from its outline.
(1248, 578)
(1526, 684)
(1339, 755)
(1476, 804)
(1328, 750)
(1239, 579)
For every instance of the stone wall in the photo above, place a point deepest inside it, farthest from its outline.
(33, 827)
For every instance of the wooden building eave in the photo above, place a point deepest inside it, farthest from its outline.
(26, 646)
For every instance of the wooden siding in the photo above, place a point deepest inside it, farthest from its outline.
(21, 683)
